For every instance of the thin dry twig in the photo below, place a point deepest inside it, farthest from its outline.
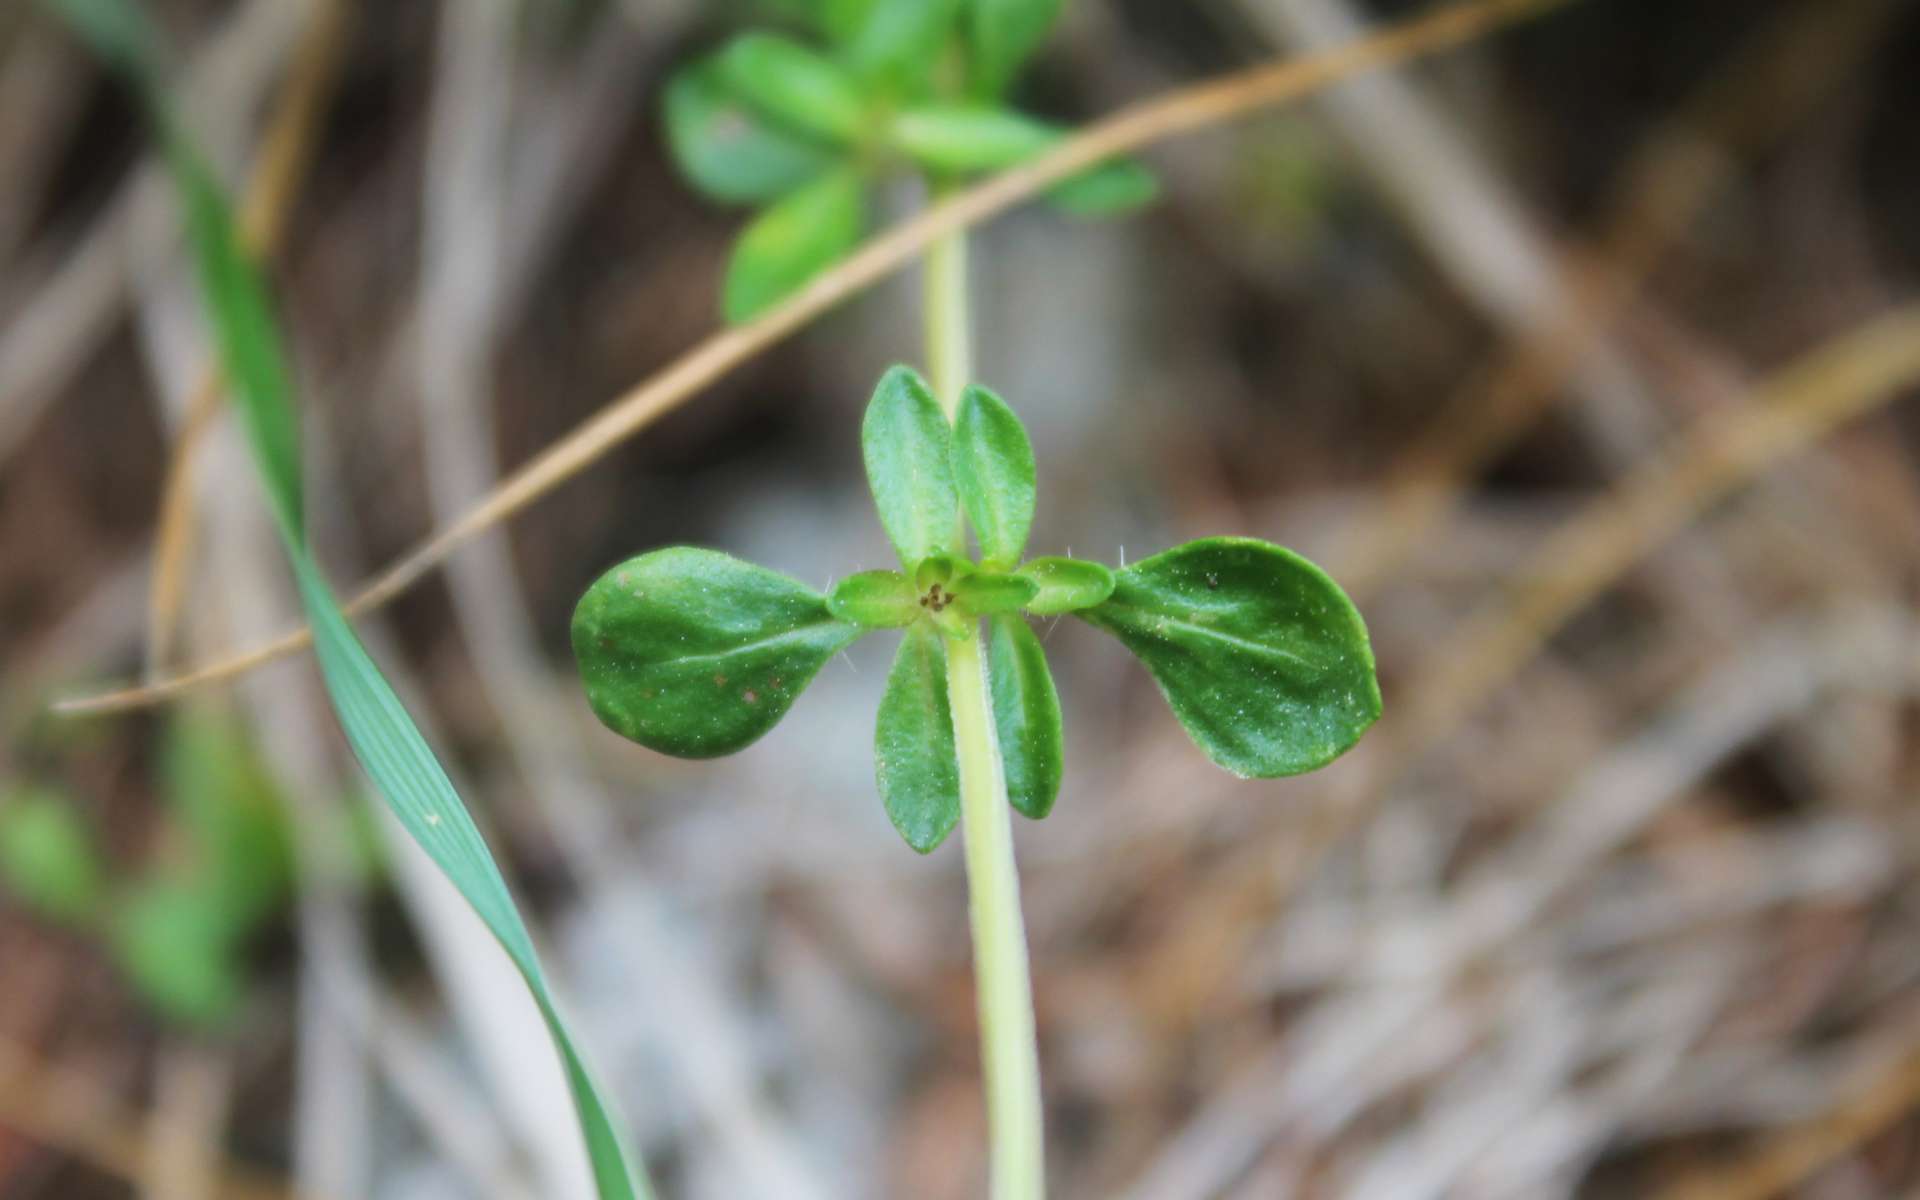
(1743, 109)
(1184, 111)
(285, 155)
(1844, 379)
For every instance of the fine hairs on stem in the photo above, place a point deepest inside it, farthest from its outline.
(1010, 1058)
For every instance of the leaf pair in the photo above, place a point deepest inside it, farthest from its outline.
(1260, 655)
(805, 134)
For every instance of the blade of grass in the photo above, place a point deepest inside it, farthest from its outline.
(384, 738)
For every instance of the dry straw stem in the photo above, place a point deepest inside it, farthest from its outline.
(1846, 378)
(1741, 111)
(285, 154)
(1130, 129)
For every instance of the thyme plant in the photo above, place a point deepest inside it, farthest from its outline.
(691, 652)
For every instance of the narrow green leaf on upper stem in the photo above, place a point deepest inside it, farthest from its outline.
(993, 472)
(875, 600)
(1026, 715)
(1108, 190)
(729, 151)
(791, 241)
(1066, 584)
(695, 653)
(1262, 657)
(1002, 35)
(905, 440)
(837, 20)
(914, 759)
(899, 38)
(794, 85)
(964, 139)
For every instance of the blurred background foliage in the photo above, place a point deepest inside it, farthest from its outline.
(1620, 899)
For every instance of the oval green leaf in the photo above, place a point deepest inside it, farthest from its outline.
(1261, 655)
(904, 440)
(177, 948)
(914, 759)
(993, 472)
(47, 857)
(984, 592)
(794, 86)
(728, 150)
(694, 653)
(1109, 190)
(1066, 584)
(1002, 35)
(962, 139)
(792, 241)
(1026, 715)
(875, 600)
(899, 38)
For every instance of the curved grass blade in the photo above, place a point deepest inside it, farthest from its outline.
(384, 738)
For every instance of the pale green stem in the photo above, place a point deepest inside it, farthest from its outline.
(949, 323)
(1009, 1051)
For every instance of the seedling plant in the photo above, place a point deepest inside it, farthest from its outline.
(694, 653)
(1262, 658)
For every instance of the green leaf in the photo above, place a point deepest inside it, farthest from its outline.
(839, 20)
(1066, 584)
(983, 592)
(1003, 34)
(415, 786)
(795, 86)
(875, 600)
(900, 39)
(232, 814)
(47, 857)
(1026, 715)
(694, 653)
(905, 440)
(726, 149)
(384, 739)
(993, 472)
(914, 759)
(792, 241)
(1109, 190)
(177, 948)
(961, 139)
(1262, 656)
